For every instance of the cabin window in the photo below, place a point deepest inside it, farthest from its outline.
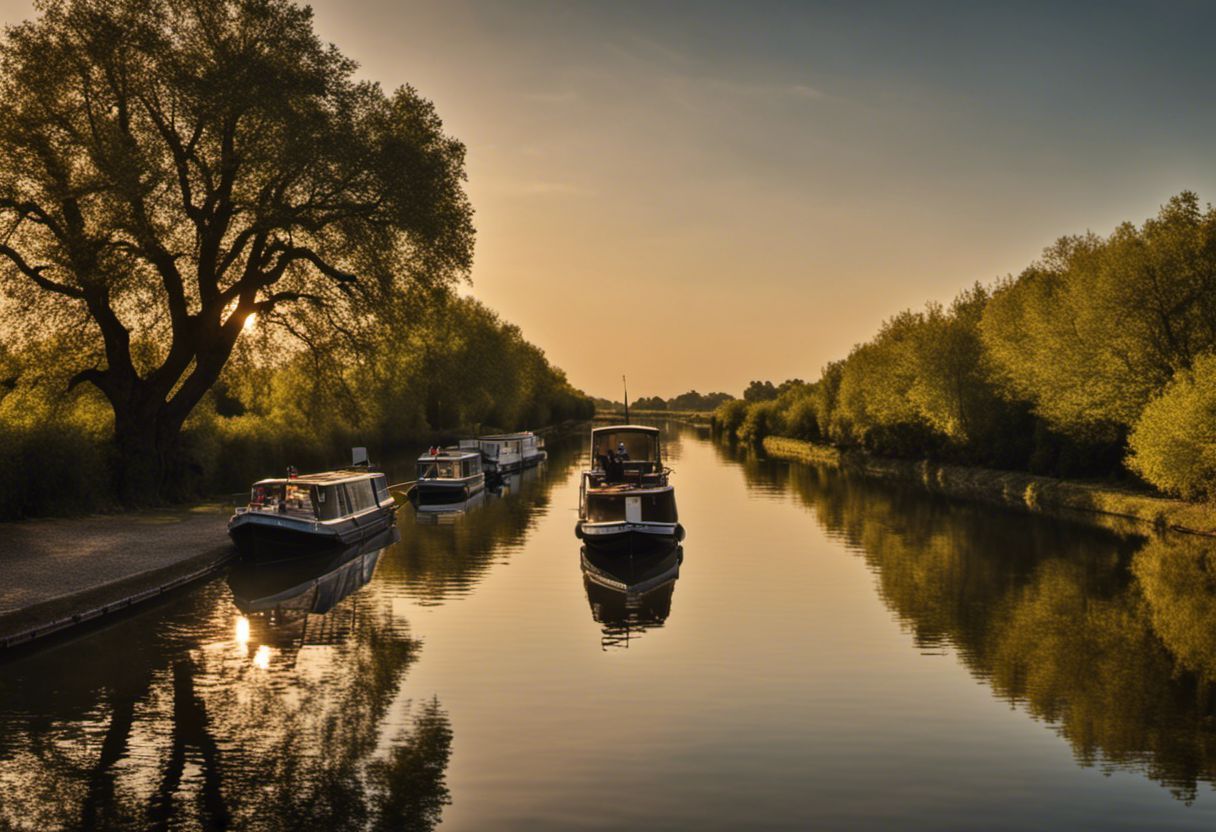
(382, 495)
(328, 502)
(639, 447)
(343, 500)
(265, 496)
(360, 495)
(444, 469)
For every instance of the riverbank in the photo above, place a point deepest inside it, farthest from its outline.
(1009, 488)
(699, 418)
(63, 572)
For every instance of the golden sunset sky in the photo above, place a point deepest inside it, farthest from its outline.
(698, 194)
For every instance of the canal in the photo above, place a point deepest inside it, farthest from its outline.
(826, 652)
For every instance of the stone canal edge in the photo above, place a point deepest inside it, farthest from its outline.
(57, 574)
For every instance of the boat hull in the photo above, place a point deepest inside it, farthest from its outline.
(261, 535)
(629, 536)
(447, 490)
(499, 466)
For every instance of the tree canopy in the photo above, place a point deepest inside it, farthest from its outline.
(168, 170)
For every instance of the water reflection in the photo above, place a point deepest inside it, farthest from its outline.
(629, 594)
(1108, 638)
(445, 553)
(185, 723)
(445, 513)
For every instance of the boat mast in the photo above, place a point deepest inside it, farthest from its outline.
(625, 384)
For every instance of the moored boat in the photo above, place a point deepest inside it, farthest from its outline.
(626, 498)
(448, 475)
(502, 453)
(309, 513)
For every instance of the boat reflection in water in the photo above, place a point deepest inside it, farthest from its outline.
(630, 595)
(283, 597)
(513, 482)
(443, 512)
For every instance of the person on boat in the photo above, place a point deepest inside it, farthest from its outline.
(621, 453)
(613, 470)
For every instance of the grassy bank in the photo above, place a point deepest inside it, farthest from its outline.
(1010, 488)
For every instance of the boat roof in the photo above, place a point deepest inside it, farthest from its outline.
(625, 428)
(449, 453)
(322, 478)
(519, 435)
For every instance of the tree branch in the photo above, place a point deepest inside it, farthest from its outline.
(34, 273)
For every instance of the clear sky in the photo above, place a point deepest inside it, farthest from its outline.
(698, 194)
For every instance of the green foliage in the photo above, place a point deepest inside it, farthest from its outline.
(461, 369)
(168, 170)
(1046, 373)
(728, 417)
(759, 391)
(1097, 327)
(762, 419)
(1173, 445)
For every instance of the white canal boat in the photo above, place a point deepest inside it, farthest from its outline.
(502, 453)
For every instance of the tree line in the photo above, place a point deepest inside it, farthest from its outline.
(1097, 360)
(457, 368)
(690, 401)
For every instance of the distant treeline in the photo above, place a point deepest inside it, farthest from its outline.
(692, 400)
(1098, 360)
(451, 366)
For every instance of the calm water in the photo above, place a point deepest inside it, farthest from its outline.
(829, 653)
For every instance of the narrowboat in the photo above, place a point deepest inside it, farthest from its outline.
(448, 474)
(626, 498)
(311, 513)
(503, 453)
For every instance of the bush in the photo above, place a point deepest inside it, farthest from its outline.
(763, 419)
(801, 419)
(1173, 444)
(728, 417)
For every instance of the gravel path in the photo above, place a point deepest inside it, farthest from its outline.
(52, 568)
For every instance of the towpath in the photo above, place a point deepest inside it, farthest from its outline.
(58, 572)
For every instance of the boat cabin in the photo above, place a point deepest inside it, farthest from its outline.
(449, 464)
(320, 497)
(626, 454)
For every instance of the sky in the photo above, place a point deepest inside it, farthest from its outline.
(699, 194)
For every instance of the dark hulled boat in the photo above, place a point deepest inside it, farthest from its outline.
(626, 499)
(312, 513)
(448, 475)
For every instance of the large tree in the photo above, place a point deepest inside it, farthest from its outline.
(170, 169)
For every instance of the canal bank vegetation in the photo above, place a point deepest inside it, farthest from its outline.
(224, 252)
(457, 368)
(1097, 362)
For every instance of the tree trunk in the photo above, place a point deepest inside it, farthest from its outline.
(147, 446)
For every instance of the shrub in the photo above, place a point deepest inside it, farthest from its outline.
(728, 417)
(801, 420)
(1173, 444)
(763, 419)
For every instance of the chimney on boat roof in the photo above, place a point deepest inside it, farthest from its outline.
(358, 457)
